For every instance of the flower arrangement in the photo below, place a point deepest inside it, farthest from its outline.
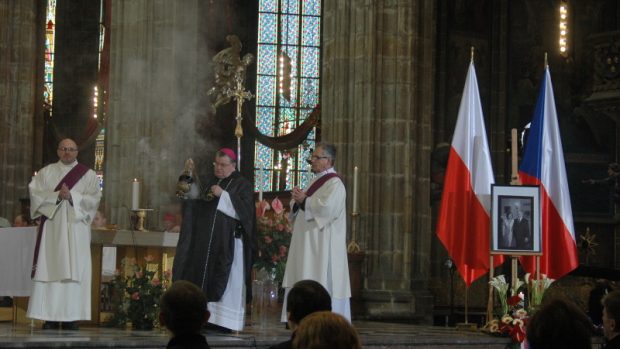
(274, 238)
(514, 315)
(137, 294)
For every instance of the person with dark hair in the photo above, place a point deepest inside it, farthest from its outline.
(326, 330)
(559, 324)
(305, 298)
(318, 249)
(217, 240)
(183, 311)
(611, 319)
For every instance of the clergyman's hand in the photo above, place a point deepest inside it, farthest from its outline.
(64, 193)
(298, 195)
(216, 190)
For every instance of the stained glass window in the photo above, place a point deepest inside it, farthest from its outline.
(50, 33)
(288, 68)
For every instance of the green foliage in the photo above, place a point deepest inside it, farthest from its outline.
(136, 296)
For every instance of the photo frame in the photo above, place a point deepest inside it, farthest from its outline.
(515, 220)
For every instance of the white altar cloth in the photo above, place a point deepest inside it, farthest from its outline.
(16, 253)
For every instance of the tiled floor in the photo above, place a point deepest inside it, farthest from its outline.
(373, 334)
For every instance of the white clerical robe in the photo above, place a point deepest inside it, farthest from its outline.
(62, 282)
(318, 248)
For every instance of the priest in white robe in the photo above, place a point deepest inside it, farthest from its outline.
(64, 196)
(318, 248)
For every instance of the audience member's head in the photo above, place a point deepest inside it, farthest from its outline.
(611, 314)
(326, 330)
(306, 297)
(99, 221)
(20, 221)
(183, 308)
(559, 324)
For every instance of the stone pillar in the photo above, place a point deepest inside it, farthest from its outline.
(18, 91)
(157, 96)
(377, 105)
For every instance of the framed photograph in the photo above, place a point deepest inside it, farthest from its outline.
(515, 220)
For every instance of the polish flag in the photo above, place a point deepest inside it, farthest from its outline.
(543, 164)
(463, 224)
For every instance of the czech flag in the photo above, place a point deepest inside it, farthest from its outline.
(463, 223)
(543, 165)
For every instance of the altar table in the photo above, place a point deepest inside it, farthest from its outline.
(17, 250)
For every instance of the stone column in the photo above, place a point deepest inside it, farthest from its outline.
(18, 90)
(157, 95)
(377, 105)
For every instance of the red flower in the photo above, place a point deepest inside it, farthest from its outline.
(261, 208)
(277, 206)
(517, 333)
(514, 300)
(135, 296)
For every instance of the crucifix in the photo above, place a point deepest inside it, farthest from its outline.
(230, 71)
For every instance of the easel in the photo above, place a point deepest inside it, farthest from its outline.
(514, 180)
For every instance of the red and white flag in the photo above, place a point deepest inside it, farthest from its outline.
(463, 224)
(543, 164)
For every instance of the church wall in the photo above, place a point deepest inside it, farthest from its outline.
(18, 91)
(159, 109)
(376, 107)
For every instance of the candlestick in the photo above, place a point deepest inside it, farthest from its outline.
(135, 194)
(355, 175)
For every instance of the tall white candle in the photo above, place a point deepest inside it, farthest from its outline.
(355, 175)
(261, 180)
(135, 194)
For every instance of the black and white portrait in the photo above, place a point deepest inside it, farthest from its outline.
(515, 220)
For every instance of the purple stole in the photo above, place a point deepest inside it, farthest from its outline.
(70, 179)
(319, 183)
(316, 185)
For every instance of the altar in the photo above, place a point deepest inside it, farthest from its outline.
(17, 248)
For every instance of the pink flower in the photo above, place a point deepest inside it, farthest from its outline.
(268, 239)
(139, 274)
(167, 274)
(276, 204)
(156, 282)
(261, 208)
(275, 258)
(135, 296)
(280, 227)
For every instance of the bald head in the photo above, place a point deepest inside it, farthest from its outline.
(67, 151)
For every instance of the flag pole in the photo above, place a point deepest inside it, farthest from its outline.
(490, 300)
(514, 154)
(466, 305)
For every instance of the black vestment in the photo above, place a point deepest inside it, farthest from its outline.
(205, 250)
